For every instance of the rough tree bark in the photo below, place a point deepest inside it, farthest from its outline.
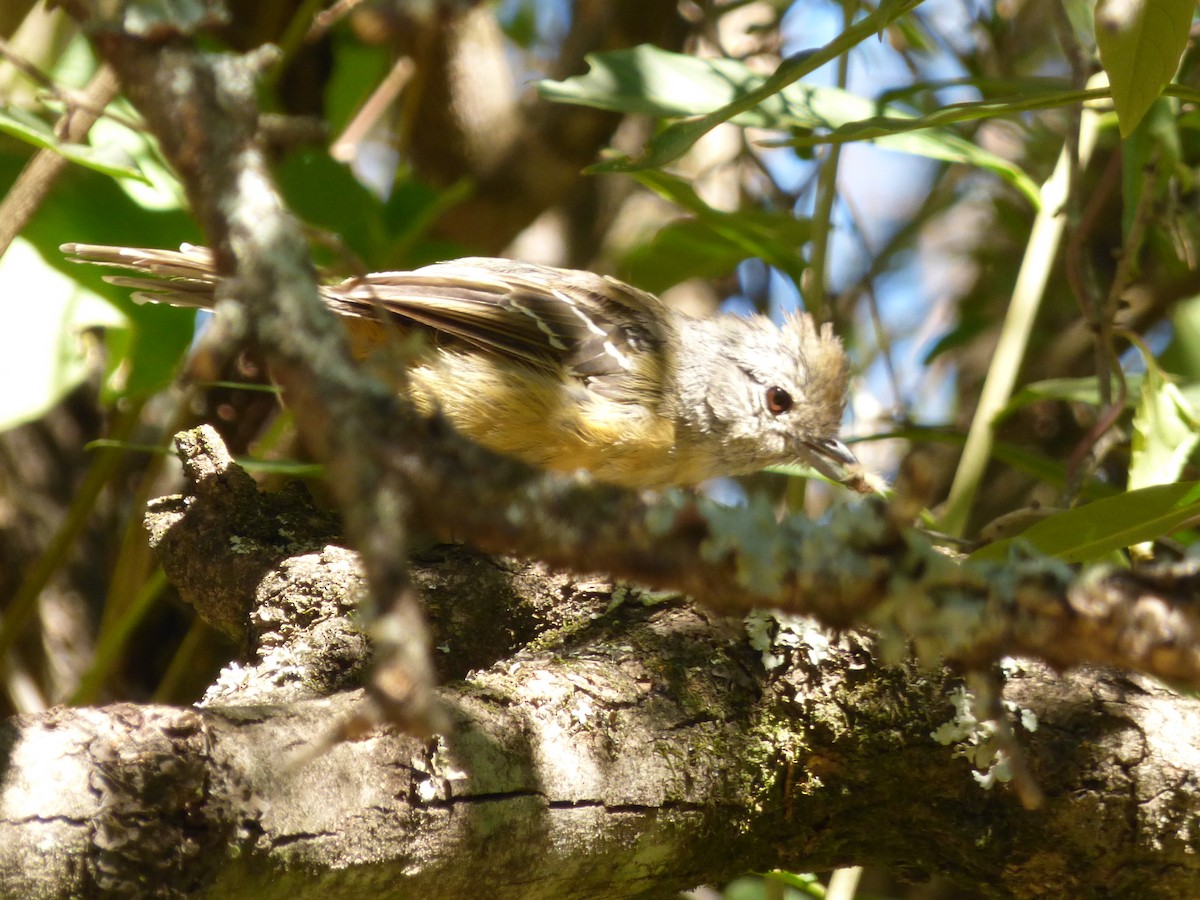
(595, 751)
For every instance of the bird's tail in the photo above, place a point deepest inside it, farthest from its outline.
(183, 277)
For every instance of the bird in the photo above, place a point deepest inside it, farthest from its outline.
(568, 370)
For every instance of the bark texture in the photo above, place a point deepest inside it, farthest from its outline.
(596, 750)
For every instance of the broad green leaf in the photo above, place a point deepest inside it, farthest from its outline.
(29, 128)
(1081, 14)
(309, 178)
(1089, 532)
(90, 207)
(357, 70)
(44, 320)
(776, 238)
(648, 81)
(1164, 432)
(971, 324)
(802, 881)
(925, 135)
(691, 248)
(376, 235)
(872, 125)
(161, 335)
(1043, 468)
(677, 139)
(159, 188)
(1141, 42)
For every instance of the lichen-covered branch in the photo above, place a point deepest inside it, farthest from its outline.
(641, 749)
(646, 752)
(856, 569)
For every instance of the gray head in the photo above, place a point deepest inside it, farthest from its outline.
(768, 395)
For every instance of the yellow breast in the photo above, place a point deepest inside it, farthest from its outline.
(515, 410)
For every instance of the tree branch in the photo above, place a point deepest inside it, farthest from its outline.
(648, 744)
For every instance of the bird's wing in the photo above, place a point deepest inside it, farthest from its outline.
(597, 329)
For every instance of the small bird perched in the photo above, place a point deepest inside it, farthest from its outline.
(568, 370)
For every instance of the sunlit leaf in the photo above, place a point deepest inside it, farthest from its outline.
(1069, 390)
(1154, 142)
(1091, 531)
(1164, 432)
(29, 128)
(1141, 42)
(44, 345)
(648, 81)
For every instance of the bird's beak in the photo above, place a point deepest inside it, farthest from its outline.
(834, 460)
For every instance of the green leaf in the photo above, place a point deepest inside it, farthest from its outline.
(44, 350)
(679, 251)
(309, 178)
(1141, 42)
(356, 71)
(896, 129)
(676, 139)
(648, 81)
(1081, 14)
(1084, 390)
(970, 326)
(1042, 468)
(1155, 141)
(1164, 432)
(161, 335)
(716, 241)
(1069, 390)
(108, 160)
(90, 207)
(801, 881)
(1089, 532)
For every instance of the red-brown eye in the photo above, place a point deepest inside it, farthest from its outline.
(779, 401)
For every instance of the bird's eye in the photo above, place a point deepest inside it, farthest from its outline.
(779, 401)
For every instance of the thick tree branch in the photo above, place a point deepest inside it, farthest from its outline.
(648, 744)
(645, 753)
(856, 569)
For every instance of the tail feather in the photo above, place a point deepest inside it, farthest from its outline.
(182, 277)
